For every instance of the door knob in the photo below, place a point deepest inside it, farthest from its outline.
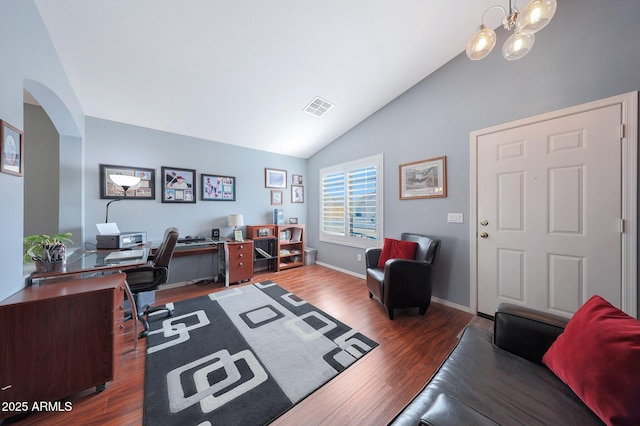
(483, 235)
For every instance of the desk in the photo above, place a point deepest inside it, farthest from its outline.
(84, 263)
(59, 339)
(91, 263)
(191, 249)
(235, 258)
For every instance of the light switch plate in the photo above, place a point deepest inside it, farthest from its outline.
(454, 217)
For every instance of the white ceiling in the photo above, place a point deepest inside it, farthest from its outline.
(242, 71)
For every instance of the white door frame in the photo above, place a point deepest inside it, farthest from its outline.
(629, 141)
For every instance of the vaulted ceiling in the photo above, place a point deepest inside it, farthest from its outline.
(242, 71)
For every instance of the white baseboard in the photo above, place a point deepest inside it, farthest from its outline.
(452, 305)
(335, 268)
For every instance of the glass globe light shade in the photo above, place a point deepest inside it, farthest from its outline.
(535, 16)
(517, 46)
(481, 43)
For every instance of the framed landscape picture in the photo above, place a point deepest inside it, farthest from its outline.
(424, 179)
(218, 188)
(178, 185)
(274, 178)
(144, 190)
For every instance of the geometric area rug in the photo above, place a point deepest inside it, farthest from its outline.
(242, 356)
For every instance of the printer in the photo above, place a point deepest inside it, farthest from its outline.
(121, 240)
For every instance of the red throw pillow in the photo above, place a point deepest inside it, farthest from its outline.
(598, 357)
(396, 249)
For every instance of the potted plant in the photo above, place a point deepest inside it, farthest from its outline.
(47, 251)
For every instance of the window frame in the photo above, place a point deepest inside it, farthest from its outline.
(376, 161)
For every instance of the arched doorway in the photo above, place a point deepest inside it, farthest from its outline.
(67, 168)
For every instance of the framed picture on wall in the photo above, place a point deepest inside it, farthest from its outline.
(144, 190)
(274, 178)
(178, 185)
(11, 150)
(218, 188)
(296, 179)
(276, 198)
(423, 179)
(297, 194)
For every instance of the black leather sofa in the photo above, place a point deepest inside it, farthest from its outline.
(500, 379)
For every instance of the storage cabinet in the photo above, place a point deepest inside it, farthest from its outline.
(60, 338)
(238, 261)
(290, 246)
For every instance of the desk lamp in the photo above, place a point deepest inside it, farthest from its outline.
(236, 220)
(125, 182)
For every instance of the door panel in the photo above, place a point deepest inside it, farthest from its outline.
(549, 208)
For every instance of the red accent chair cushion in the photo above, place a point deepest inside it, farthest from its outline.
(598, 357)
(396, 249)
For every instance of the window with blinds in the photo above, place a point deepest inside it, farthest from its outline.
(351, 205)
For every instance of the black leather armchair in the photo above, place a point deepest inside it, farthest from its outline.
(144, 280)
(403, 283)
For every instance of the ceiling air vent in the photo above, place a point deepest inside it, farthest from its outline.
(318, 107)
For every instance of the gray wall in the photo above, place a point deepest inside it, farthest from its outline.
(42, 173)
(589, 51)
(24, 40)
(109, 142)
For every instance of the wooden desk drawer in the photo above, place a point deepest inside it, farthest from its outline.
(240, 261)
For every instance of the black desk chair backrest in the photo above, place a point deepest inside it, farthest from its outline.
(146, 279)
(164, 253)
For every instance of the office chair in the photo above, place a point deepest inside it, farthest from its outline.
(144, 280)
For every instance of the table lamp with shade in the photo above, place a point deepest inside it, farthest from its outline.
(236, 220)
(125, 182)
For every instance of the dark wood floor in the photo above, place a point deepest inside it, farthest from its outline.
(370, 392)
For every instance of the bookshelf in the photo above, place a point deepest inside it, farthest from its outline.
(290, 246)
(265, 247)
(280, 247)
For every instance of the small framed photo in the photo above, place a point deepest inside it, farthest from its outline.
(178, 185)
(297, 194)
(293, 221)
(11, 150)
(276, 197)
(218, 188)
(296, 179)
(424, 179)
(144, 190)
(274, 178)
(237, 235)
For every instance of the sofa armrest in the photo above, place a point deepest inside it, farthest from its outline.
(526, 332)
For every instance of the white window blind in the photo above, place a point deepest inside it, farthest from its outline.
(351, 204)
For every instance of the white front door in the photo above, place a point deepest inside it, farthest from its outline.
(549, 209)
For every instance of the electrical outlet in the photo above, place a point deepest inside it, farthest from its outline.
(359, 257)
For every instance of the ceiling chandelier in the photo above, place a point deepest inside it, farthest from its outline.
(533, 17)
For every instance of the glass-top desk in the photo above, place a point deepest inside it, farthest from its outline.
(87, 263)
(91, 263)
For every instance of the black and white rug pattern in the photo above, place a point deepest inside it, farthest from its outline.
(242, 356)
